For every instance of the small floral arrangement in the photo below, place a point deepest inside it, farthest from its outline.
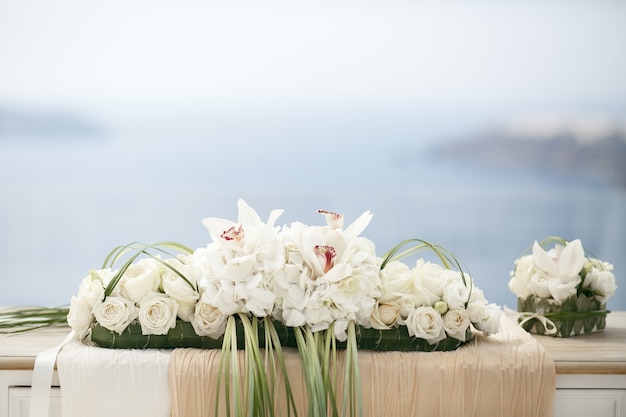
(560, 290)
(261, 287)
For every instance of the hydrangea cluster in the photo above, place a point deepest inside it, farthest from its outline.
(300, 275)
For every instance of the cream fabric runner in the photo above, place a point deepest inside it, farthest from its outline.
(98, 382)
(508, 375)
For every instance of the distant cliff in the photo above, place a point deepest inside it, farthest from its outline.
(19, 124)
(587, 150)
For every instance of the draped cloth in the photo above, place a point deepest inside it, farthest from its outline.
(509, 374)
(97, 382)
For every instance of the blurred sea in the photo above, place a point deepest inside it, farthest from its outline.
(64, 204)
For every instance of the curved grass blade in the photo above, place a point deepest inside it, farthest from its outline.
(140, 249)
(120, 251)
(446, 257)
(24, 319)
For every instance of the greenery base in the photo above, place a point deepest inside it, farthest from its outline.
(575, 316)
(183, 335)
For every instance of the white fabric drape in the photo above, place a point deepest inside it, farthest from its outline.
(506, 375)
(98, 382)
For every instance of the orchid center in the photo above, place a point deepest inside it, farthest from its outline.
(234, 233)
(326, 254)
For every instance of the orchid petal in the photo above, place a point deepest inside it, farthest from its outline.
(217, 226)
(359, 224)
(274, 215)
(572, 259)
(247, 215)
(544, 261)
(338, 273)
(333, 220)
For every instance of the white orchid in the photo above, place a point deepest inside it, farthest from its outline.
(331, 275)
(559, 268)
(236, 270)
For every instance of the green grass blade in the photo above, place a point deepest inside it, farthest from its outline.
(447, 258)
(291, 404)
(24, 319)
(141, 249)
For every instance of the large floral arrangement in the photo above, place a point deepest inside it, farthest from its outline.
(561, 291)
(261, 287)
(299, 275)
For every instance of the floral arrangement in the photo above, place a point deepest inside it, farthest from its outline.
(260, 287)
(299, 275)
(560, 290)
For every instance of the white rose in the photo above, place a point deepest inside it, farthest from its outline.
(455, 323)
(485, 317)
(477, 311)
(398, 287)
(115, 313)
(562, 288)
(385, 316)
(396, 278)
(140, 279)
(521, 276)
(91, 289)
(601, 283)
(208, 320)
(477, 295)
(597, 263)
(178, 289)
(539, 285)
(426, 323)
(80, 317)
(455, 294)
(430, 282)
(157, 314)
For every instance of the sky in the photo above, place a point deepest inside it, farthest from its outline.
(514, 54)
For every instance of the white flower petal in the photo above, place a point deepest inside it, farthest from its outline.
(247, 215)
(359, 224)
(338, 273)
(293, 318)
(572, 259)
(217, 226)
(544, 261)
(274, 215)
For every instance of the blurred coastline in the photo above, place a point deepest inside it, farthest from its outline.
(66, 203)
